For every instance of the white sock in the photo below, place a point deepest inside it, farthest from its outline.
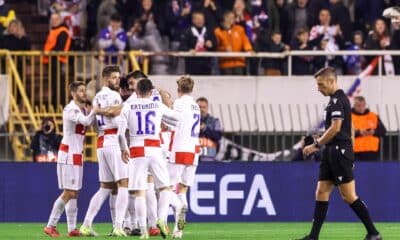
(132, 212)
(95, 204)
(113, 197)
(140, 209)
(151, 201)
(183, 198)
(175, 201)
(58, 209)
(163, 205)
(71, 210)
(121, 204)
(127, 220)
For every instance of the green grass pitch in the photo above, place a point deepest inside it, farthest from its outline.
(222, 231)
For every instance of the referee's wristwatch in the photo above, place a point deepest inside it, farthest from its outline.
(316, 144)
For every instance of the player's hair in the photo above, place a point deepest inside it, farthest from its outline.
(123, 83)
(326, 72)
(73, 87)
(144, 86)
(359, 98)
(226, 13)
(137, 74)
(202, 99)
(107, 70)
(198, 12)
(115, 17)
(185, 84)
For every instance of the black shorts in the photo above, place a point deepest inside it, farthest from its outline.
(337, 164)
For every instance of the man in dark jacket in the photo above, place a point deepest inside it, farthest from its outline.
(46, 142)
(210, 132)
(198, 38)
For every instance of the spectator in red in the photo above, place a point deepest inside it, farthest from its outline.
(57, 40)
(6, 16)
(72, 17)
(232, 38)
(198, 38)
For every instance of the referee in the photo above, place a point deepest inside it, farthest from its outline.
(336, 167)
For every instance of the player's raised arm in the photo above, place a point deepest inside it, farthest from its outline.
(78, 117)
(111, 111)
(169, 117)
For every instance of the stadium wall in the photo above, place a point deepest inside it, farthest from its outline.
(223, 192)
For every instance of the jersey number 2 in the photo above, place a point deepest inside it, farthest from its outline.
(196, 122)
(149, 126)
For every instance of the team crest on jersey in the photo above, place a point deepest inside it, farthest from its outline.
(334, 100)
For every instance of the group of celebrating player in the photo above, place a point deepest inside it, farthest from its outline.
(147, 150)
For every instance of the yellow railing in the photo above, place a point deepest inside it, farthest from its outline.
(39, 88)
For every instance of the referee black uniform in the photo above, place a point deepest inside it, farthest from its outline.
(338, 156)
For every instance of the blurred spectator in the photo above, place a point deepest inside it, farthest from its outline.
(282, 9)
(178, 19)
(332, 41)
(341, 16)
(379, 39)
(354, 63)
(210, 131)
(212, 12)
(46, 142)
(368, 131)
(303, 65)
(57, 40)
(299, 16)
(73, 17)
(15, 38)
(113, 39)
(273, 66)
(6, 16)
(243, 17)
(145, 35)
(198, 38)
(231, 38)
(395, 42)
(91, 32)
(366, 13)
(106, 9)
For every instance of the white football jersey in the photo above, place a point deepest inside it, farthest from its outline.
(143, 118)
(185, 138)
(155, 96)
(75, 121)
(107, 126)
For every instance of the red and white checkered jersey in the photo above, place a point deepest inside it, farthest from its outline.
(185, 138)
(143, 118)
(75, 121)
(107, 126)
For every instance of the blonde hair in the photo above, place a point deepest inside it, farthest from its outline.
(185, 84)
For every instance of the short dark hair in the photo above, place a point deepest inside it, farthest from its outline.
(115, 17)
(198, 12)
(185, 84)
(144, 86)
(123, 83)
(107, 70)
(359, 98)
(325, 72)
(202, 99)
(137, 74)
(75, 85)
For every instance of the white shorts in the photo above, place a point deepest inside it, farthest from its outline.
(141, 166)
(181, 173)
(111, 166)
(69, 176)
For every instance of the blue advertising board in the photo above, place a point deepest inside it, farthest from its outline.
(222, 192)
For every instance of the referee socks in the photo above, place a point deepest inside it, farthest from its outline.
(361, 210)
(321, 208)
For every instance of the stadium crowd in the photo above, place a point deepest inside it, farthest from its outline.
(229, 26)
